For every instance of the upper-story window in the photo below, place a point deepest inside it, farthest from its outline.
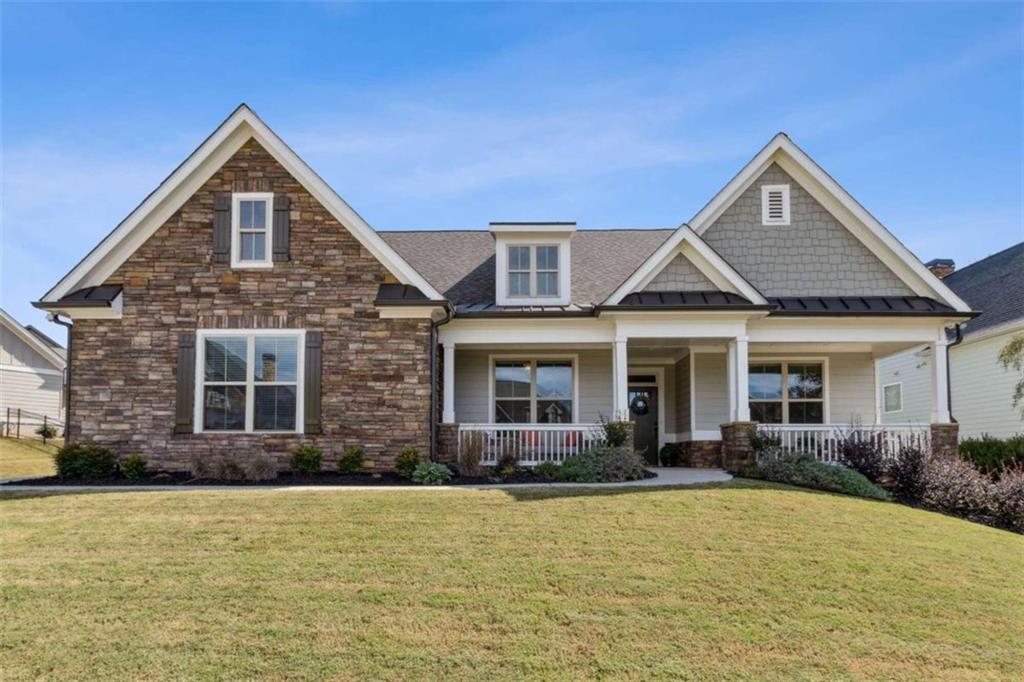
(251, 215)
(775, 205)
(533, 271)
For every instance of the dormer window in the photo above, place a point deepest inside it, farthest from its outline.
(250, 229)
(533, 271)
(775, 204)
(532, 263)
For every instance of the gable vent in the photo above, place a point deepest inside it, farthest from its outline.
(775, 204)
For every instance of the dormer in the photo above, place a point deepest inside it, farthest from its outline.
(532, 263)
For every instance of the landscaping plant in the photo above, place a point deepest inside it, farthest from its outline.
(616, 433)
(547, 471)
(1008, 497)
(352, 461)
(806, 471)
(306, 460)
(765, 445)
(907, 474)
(991, 455)
(91, 462)
(954, 485)
(669, 455)
(407, 461)
(471, 454)
(260, 468)
(46, 432)
(507, 464)
(134, 467)
(863, 453)
(603, 464)
(431, 473)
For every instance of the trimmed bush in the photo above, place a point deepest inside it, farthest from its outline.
(956, 486)
(863, 453)
(603, 464)
(85, 462)
(616, 433)
(260, 468)
(765, 445)
(669, 455)
(46, 432)
(807, 472)
(1008, 497)
(431, 473)
(407, 461)
(992, 455)
(547, 471)
(134, 467)
(306, 460)
(907, 474)
(352, 461)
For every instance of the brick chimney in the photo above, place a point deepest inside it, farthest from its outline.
(941, 267)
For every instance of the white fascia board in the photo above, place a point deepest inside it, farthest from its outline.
(31, 339)
(573, 331)
(844, 330)
(532, 228)
(187, 178)
(724, 273)
(702, 327)
(398, 312)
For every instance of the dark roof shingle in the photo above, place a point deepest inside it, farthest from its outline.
(994, 286)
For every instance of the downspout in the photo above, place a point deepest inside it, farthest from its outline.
(433, 380)
(949, 381)
(55, 317)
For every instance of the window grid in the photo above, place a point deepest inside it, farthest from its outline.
(785, 401)
(251, 216)
(534, 398)
(533, 271)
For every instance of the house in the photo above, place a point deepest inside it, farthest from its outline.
(31, 378)
(981, 395)
(244, 308)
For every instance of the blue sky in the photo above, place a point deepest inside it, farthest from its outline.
(453, 115)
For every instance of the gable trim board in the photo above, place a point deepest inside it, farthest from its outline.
(33, 341)
(243, 124)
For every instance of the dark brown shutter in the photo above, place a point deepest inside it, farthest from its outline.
(282, 227)
(186, 382)
(222, 228)
(311, 399)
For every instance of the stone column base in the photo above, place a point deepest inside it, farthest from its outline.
(737, 451)
(945, 440)
(448, 444)
(701, 454)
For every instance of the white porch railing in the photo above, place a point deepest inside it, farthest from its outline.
(531, 444)
(823, 440)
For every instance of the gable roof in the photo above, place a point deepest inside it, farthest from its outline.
(34, 338)
(994, 286)
(243, 124)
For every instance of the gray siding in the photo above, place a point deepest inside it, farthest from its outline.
(710, 383)
(913, 369)
(814, 254)
(680, 275)
(851, 388)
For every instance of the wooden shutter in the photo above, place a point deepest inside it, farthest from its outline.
(186, 382)
(282, 227)
(311, 391)
(222, 228)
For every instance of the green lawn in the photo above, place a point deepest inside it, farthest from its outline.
(20, 458)
(746, 580)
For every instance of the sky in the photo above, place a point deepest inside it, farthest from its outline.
(430, 116)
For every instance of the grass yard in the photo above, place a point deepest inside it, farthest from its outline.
(744, 580)
(21, 458)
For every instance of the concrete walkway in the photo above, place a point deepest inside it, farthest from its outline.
(666, 478)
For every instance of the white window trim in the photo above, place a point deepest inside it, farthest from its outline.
(503, 242)
(532, 273)
(250, 401)
(826, 416)
(236, 232)
(900, 385)
(533, 359)
(765, 191)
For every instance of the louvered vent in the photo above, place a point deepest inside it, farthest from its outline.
(775, 204)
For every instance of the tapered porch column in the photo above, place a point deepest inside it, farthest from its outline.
(448, 384)
(620, 380)
(738, 368)
(940, 381)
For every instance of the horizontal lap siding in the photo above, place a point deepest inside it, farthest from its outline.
(710, 382)
(983, 390)
(39, 393)
(682, 395)
(914, 370)
(852, 388)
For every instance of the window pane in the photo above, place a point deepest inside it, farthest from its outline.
(512, 380)
(765, 382)
(224, 408)
(554, 380)
(276, 358)
(254, 246)
(274, 409)
(259, 215)
(554, 411)
(893, 398)
(519, 258)
(512, 411)
(547, 284)
(225, 358)
(519, 284)
(804, 381)
(766, 413)
(806, 413)
(245, 214)
(547, 257)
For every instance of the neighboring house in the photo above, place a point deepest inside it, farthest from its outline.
(244, 308)
(981, 390)
(31, 376)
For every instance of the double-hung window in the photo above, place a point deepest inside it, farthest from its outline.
(533, 271)
(249, 381)
(787, 392)
(251, 215)
(533, 391)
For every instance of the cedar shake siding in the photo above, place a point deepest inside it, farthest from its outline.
(375, 376)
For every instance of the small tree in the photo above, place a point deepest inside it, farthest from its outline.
(1012, 355)
(46, 431)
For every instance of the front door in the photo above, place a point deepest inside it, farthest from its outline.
(643, 412)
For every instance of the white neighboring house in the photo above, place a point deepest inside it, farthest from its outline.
(981, 390)
(31, 376)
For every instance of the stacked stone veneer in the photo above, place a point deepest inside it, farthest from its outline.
(680, 275)
(376, 373)
(945, 439)
(701, 454)
(737, 450)
(814, 254)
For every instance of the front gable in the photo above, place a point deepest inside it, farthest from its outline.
(680, 274)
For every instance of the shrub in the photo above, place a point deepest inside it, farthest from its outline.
(807, 472)
(954, 485)
(306, 460)
(1008, 497)
(992, 455)
(669, 455)
(46, 432)
(907, 473)
(863, 453)
(407, 461)
(431, 473)
(507, 464)
(547, 471)
(616, 433)
(260, 468)
(85, 462)
(471, 454)
(227, 470)
(352, 461)
(201, 467)
(134, 467)
(603, 465)
(766, 445)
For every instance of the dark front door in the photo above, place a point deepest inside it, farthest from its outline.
(643, 412)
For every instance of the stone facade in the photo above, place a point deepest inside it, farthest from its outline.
(448, 444)
(737, 451)
(945, 440)
(701, 454)
(376, 373)
(680, 275)
(813, 255)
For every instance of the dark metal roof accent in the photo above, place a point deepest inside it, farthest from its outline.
(89, 297)
(403, 294)
(685, 300)
(505, 311)
(860, 305)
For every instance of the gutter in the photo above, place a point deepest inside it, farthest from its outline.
(432, 417)
(949, 375)
(55, 317)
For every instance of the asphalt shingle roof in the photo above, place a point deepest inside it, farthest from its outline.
(994, 286)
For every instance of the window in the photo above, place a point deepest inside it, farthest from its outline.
(251, 216)
(892, 397)
(249, 381)
(775, 204)
(533, 271)
(787, 392)
(533, 391)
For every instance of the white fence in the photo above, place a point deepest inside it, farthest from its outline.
(823, 441)
(531, 444)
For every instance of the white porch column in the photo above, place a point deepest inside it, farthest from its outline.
(620, 379)
(730, 378)
(742, 390)
(448, 384)
(940, 381)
